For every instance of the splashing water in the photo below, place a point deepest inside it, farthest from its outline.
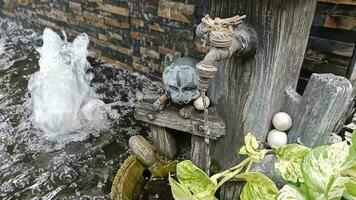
(62, 98)
(32, 167)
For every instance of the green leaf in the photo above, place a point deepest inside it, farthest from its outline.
(289, 162)
(257, 187)
(251, 148)
(251, 142)
(322, 166)
(289, 192)
(351, 188)
(354, 140)
(179, 191)
(195, 180)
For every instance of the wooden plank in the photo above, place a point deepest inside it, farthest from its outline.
(170, 118)
(163, 141)
(333, 34)
(331, 46)
(327, 57)
(320, 67)
(324, 103)
(341, 22)
(347, 2)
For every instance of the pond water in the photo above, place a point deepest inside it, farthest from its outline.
(32, 167)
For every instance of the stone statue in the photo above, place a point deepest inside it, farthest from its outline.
(180, 83)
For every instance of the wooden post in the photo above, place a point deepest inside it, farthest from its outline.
(325, 101)
(163, 141)
(198, 151)
(248, 91)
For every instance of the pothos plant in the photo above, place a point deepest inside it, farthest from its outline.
(323, 173)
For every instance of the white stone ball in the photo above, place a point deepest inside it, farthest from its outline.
(277, 138)
(199, 105)
(282, 121)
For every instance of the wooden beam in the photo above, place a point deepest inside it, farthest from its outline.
(170, 118)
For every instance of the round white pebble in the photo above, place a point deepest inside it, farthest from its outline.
(276, 138)
(198, 103)
(282, 121)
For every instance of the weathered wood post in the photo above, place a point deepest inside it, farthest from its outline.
(325, 99)
(248, 91)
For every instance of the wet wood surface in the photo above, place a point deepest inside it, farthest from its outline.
(169, 118)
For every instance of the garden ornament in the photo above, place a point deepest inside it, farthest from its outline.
(282, 121)
(180, 82)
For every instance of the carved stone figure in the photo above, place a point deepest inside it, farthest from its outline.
(180, 83)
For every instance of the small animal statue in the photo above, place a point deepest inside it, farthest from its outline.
(180, 83)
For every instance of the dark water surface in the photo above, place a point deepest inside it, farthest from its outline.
(33, 168)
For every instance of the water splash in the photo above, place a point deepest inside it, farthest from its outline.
(62, 98)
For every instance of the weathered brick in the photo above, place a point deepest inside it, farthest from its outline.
(156, 27)
(103, 37)
(57, 15)
(114, 22)
(123, 50)
(46, 23)
(40, 11)
(137, 22)
(97, 41)
(114, 9)
(115, 36)
(140, 67)
(7, 13)
(145, 52)
(117, 63)
(175, 10)
(75, 7)
(165, 51)
(95, 1)
(80, 18)
(93, 19)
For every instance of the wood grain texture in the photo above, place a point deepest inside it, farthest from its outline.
(170, 118)
(248, 91)
(325, 101)
(163, 141)
(199, 149)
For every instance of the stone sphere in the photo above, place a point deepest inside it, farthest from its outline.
(199, 105)
(282, 121)
(276, 138)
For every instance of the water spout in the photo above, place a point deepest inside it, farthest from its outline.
(62, 98)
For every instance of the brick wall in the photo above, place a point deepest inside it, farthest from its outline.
(332, 41)
(135, 34)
